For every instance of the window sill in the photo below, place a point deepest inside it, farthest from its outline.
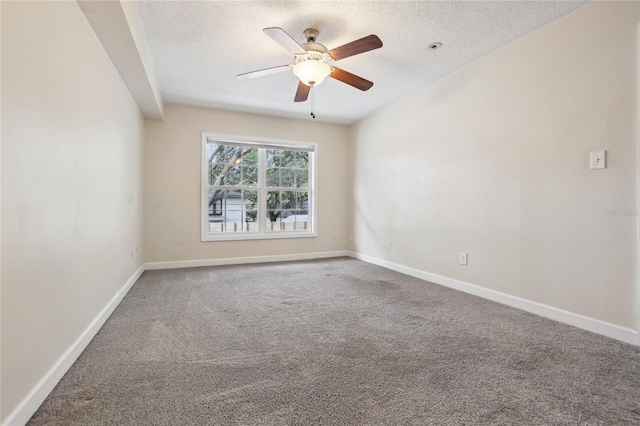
(247, 236)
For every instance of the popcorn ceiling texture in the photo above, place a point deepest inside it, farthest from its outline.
(200, 46)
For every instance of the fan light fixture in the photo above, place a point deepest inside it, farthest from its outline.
(313, 61)
(312, 71)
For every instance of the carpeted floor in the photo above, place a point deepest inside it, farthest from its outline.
(336, 341)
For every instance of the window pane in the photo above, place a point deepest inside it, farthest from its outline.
(287, 221)
(230, 176)
(250, 199)
(249, 176)
(299, 221)
(273, 158)
(302, 178)
(287, 209)
(232, 166)
(288, 158)
(232, 210)
(302, 159)
(287, 178)
(302, 201)
(215, 160)
(252, 216)
(284, 158)
(273, 177)
(302, 216)
(288, 200)
(216, 227)
(232, 201)
(273, 200)
(235, 222)
(234, 216)
(249, 156)
(215, 201)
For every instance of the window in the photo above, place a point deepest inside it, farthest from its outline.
(256, 188)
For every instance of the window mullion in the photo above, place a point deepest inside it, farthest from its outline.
(262, 182)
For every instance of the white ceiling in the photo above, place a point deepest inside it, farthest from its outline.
(199, 47)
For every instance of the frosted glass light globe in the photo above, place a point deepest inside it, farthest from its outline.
(311, 72)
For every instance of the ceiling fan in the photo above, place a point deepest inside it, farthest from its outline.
(312, 61)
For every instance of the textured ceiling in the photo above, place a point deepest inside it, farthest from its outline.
(199, 47)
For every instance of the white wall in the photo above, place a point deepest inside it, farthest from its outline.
(72, 157)
(493, 160)
(173, 173)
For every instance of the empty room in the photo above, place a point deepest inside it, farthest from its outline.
(319, 212)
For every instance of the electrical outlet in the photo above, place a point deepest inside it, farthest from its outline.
(335, 235)
(463, 258)
(350, 237)
(389, 244)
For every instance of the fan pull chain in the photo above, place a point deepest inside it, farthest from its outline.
(313, 102)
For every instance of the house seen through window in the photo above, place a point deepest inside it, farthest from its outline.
(257, 189)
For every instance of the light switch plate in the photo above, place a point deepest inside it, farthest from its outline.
(597, 160)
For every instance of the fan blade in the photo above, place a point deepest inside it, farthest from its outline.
(302, 93)
(266, 71)
(365, 44)
(351, 79)
(280, 35)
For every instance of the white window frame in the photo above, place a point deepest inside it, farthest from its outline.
(311, 232)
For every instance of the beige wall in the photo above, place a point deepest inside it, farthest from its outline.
(72, 141)
(172, 183)
(493, 160)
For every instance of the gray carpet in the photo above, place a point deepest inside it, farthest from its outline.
(336, 341)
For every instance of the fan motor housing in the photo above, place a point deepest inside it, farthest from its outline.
(314, 51)
(314, 47)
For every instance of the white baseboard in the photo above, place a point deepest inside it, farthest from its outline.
(243, 260)
(41, 390)
(30, 403)
(613, 331)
